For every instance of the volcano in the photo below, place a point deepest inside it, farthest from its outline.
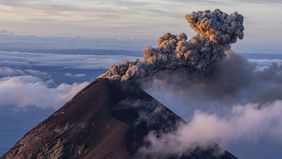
(105, 120)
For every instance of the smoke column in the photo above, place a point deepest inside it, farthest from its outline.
(216, 31)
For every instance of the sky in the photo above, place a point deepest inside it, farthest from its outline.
(137, 19)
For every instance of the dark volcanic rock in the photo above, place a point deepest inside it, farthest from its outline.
(106, 120)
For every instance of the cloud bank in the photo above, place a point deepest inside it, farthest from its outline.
(76, 61)
(24, 91)
(13, 41)
(242, 123)
(7, 71)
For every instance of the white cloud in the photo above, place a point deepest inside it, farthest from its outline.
(23, 91)
(264, 63)
(7, 71)
(78, 75)
(60, 60)
(244, 123)
(12, 41)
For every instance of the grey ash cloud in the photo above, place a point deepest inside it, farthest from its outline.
(216, 31)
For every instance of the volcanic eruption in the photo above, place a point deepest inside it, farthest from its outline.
(112, 116)
(216, 31)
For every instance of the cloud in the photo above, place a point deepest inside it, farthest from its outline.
(202, 2)
(263, 1)
(24, 91)
(81, 18)
(15, 42)
(263, 63)
(227, 1)
(83, 5)
(26, 59)
(78, 75)
(242, 123)
(98, 9)
(7, 71)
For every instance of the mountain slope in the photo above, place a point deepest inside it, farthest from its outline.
(106, 120)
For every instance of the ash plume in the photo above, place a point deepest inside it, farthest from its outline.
(198, 55)
(237, 105)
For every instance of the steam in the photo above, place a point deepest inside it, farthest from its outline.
(216, 31)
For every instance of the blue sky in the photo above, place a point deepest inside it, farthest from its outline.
(137, 19)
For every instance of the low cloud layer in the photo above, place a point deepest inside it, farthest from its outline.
(78, 75)
(13, 41)
(8, 71)
(23, 91)
(245, 123)
(76, 61)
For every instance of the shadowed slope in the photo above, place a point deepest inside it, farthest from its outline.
(106, 120)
